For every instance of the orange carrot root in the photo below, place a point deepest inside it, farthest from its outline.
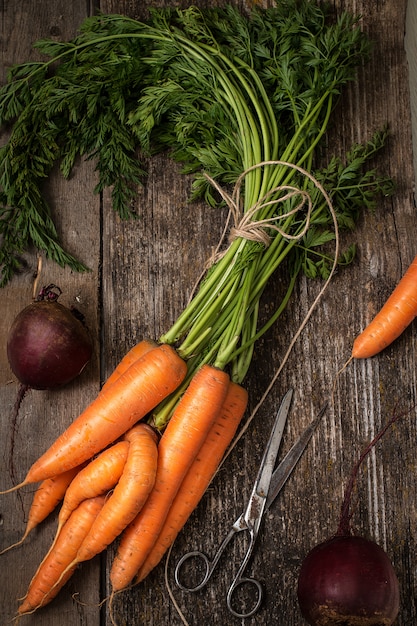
(49, 493)
(397, 313)
(97, 478)
(14, 488)
(179, 445)
(135, 353)
(199, 475)
(127, 499)
(49, 578)
(116, 409)
(129, 495)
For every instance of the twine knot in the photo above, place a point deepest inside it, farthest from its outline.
(246, 225)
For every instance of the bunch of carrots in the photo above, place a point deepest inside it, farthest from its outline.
(118, 476)
(138, 459)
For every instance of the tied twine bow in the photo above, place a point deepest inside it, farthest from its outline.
(256, 230)
(244, 226)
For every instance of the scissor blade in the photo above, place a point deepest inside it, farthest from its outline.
(263, 480)
(287, 465)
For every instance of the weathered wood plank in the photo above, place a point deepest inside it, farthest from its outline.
(147, 269)
(44, 414)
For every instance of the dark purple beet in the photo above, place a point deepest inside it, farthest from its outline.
(47, 345)
(349, 580)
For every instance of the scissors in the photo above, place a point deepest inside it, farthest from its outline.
(267, 486)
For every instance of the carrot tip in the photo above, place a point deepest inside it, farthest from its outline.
(14, 545)
(339, 372)
(15, 488)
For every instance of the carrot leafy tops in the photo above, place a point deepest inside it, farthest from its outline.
(220, 90)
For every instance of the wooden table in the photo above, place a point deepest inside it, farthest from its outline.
(140, 277)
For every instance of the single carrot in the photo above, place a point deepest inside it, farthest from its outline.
(180, 443)
(397, 313)
(47, 496)
(116, 409)
(99, 476)
(95, 479)
(49, 578)
(199, 475)
(129, 495)
(130, 357)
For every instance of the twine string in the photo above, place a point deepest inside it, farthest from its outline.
(245, 226)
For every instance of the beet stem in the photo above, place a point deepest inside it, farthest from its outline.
(37, 277)
(13, 419)
(344, 527)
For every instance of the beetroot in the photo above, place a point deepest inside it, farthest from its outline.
(48, 345)
(349, 580)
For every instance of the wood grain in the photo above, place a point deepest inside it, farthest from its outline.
(141, 275)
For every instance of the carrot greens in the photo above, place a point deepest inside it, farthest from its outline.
(243, 102)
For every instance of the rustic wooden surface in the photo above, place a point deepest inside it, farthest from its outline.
(140, 278)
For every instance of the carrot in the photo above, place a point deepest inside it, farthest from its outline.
(397, 313)
(130, 357)
(97, 478)
(47, 496)
(129, 495)
(49, 578)
(199, 475)
(182, 439)
(116, 409)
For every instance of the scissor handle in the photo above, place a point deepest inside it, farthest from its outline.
(239, 582)
(209, 567)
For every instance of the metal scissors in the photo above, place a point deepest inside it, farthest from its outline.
(267, 486)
